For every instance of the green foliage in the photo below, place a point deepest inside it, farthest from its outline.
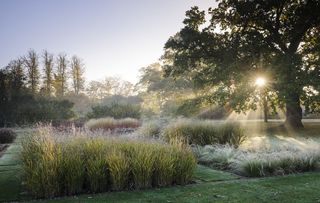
(164, 172)
(162, 95)
(112, 124)
(68, 163)
(185, 164)
(190, 107)
(119, 169)
(204, 132)
(96, 164)
(7, 135)
(73, 167)
(142, 163)
(24, 108)
(41, 164)
(115, 110)
(215, 112)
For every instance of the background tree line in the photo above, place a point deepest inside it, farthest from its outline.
(33, 86)
(43, 87)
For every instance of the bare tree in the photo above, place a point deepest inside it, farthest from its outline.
(95, 90)
(32, 65)
(60, 76)
(77, 71)
(48, 72)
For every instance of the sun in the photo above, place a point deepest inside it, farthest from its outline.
(260, 82)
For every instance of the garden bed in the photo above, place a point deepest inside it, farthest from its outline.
(260, 162)
(80, 162)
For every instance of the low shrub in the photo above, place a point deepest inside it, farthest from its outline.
(7, 135)
(115, 110)
(112, 124)
(204, 132)
(81, 163)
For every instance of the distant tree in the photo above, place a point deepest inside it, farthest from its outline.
(163, 94)
(16, 76)
(96, 90)
(112, 85)
(48, 72)
(278, 39)
(32, 64)
(61, 75)
(125, 88)
(77, 72)
(3, 96)
(81, 101)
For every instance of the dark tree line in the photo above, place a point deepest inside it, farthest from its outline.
(29, 94)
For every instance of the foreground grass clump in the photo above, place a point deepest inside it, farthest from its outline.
(201, 132)
(7, 136)
(259, 163)
(81, 162)
(112, 124)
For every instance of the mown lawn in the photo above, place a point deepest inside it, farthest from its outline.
(209, 186)
(293, 188)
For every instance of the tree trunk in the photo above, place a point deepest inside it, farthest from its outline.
(265, 105)
(293, 111)
(265, 108)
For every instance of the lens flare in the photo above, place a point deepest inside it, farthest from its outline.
(260, 82)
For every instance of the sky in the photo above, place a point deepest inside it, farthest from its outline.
(113, 37)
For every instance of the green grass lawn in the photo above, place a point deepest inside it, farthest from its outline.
(293, 188)
(209, 186)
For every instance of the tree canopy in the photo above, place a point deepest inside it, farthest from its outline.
(243, 40)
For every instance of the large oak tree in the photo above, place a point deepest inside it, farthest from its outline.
(278, 39)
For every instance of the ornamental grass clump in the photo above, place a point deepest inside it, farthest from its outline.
(142, 162)
(111, 124)
(202, 132)
(119, 169)
(73, 167)
(150, 129)
(164, 172)
(41, 159)
(56, 164)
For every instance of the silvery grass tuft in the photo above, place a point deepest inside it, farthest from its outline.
(257, 162)
(150, 129)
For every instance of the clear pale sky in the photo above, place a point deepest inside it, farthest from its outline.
(113, 37)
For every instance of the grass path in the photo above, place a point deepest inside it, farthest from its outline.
(286, 189)
(10, 173)
(210, 186)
